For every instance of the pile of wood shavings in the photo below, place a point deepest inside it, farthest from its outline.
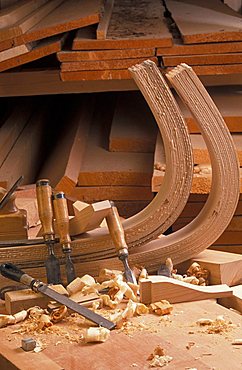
(217, 326)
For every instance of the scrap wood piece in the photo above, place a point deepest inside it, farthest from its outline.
(205, 22)
(102, 64)
(204, 59)
(43, 48)
(157, 288)
(89, 217)
(78, 56)
(133, 126)
(63, 165)
(14, 52)
(235, 301)
(31, 207)
(69, 15)
(30, 20)
(102, 27)
(13, 14)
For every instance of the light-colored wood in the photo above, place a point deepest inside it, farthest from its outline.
(102, 27)
(69, 15)
(91, 55)
(44, 48)
(88, 218)
(133, 126)
(235, 301)
(157, 288)
(14, 52)
(16, 301)
(29, 21)
(117, 64)
(196, 21)
(31, 207)
(204, 70)
(63, 165)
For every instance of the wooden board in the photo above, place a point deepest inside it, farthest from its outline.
(234, 302)
(133, 126)
(103, 64)
(44, 48)
(219, 69)
(69, 15)
(156, 288)
(103, 25)
(231, 248)
(113, 74)
(205, 59)
(29, 21)
(14, 52)
(78, 56)
(63, 164)
(196, 21)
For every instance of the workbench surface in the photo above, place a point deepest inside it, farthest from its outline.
(189, 344)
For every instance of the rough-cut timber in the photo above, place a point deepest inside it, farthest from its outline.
(102, 27)
(209, 21)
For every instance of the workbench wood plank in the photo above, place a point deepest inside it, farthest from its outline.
(102, 27)
(91, 55)
(103, 64)
(69, 15)
(205, 22)
(29, 21)
(44, 48)
(63, 165)
(133, 126)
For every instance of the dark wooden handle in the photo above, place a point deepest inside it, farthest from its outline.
(62, 218)
(44, 193)
(116, 229)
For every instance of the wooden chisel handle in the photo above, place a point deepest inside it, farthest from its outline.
(116, 230)
(62, 219)
(44, 194)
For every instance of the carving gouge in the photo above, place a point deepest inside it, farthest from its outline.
(117, 234)
(12, 272)
(62, 225)
(44, 194)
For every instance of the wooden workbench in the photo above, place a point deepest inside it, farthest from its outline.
(190, 346)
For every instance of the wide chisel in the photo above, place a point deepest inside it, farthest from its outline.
(12, 272)
(116, 231)
(44, 194)
(62, 226)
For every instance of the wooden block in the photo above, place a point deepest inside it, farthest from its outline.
(235, 301)
(195, 21)
(133, 126)
(13, 226)
(69, 15)
(80, 298)
(96, 65)
(102, 28)
(44, 48)
(19, 300)
(156, 288)
(63, 165)
(88, 218)
(14, 52)
(91, 55)
(31, 207)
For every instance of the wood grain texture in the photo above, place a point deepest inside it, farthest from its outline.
(217, 69)
(112, 74)
(14, 52)
(69, 15)
(102, 27)
(157, 288)
(133, 126)
(206, 22)
(78, 56)
(204, 59)
(234, 302)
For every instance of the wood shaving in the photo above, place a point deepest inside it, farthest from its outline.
(95, 335)
(217, 326)
(158, 358)
(13, 319)
(58, 314)
(237, 342)
(162, 307)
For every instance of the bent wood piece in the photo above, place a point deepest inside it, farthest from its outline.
(102, 27)
(235, 301)
(156, 288)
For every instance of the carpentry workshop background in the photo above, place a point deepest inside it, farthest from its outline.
(120, 184)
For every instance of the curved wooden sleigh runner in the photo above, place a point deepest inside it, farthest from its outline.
(94, 250)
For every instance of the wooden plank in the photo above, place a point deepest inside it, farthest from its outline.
(29, 21)
(113, 74)
(234, 302)
(13, 126)
(133, 126)
(196, 21)
(15, 13)
(44, 48)
(102, 27)
(205, 59)
(7, 44)
(216, 69)
(14, 52)
(63, 164)
(78, 56)
(156, 288)
(230, 248)
(103, 64)
(69, 15)
(178, 48)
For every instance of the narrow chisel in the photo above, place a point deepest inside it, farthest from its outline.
(44, 194)
(117, 234)
(62, 225)
(12, 272)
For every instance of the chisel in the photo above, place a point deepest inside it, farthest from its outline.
(62, 226)
(44, 194)
(8, 195)
(12, 272)
(116, 231)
